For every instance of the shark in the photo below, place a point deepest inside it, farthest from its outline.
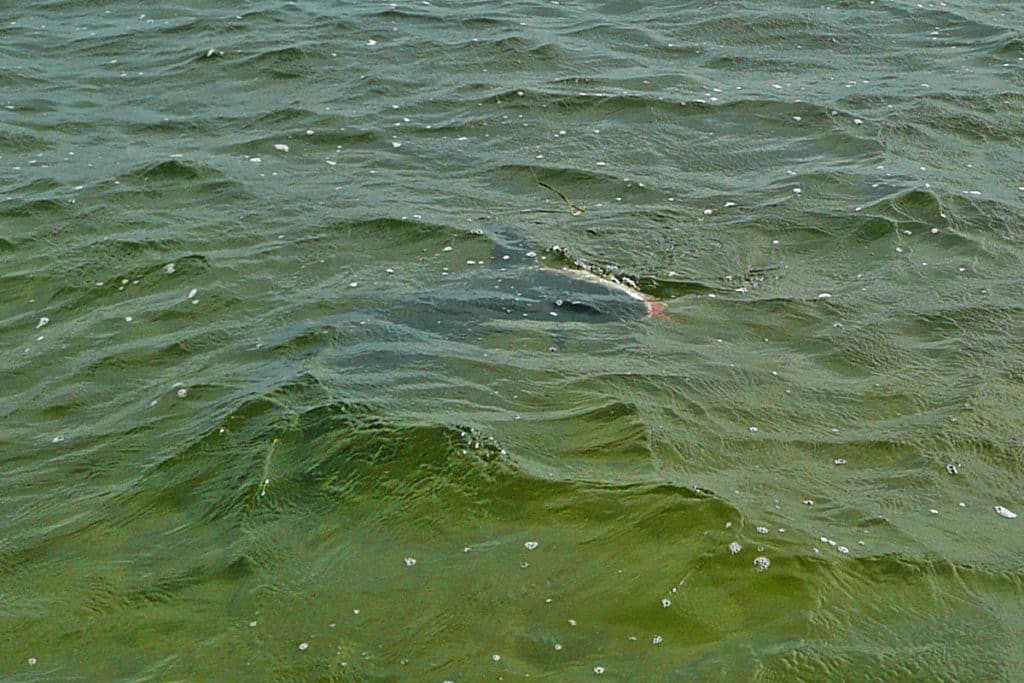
(515, 285)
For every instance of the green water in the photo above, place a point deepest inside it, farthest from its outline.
(226, 455)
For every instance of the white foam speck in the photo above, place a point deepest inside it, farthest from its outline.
(353, 284)
(281, 147)
(127, 318)
(762, 563)
(531, 545)
(170, 268)
(303, 646)
(396, 144)
(410, 561)
(255, 160)
(192, 293)
(42, 322)
(182, 393)
(598, 670)
(371, 42)
(735, 547)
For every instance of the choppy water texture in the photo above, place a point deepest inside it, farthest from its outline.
(263, 419)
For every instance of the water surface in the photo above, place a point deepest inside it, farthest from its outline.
(247, 435)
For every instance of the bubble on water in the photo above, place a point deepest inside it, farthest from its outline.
(598, 670)
(558, 646)
(665, 602)
(573, 622)
(753, 430)
(531, 545)
(1003, 512)
(843, 549)
(839, 461)
(808, 501)
(170, 268)
(127, 318)
(32, 661)
(409, 561)
(281, 147)
(762, 563)
(303, 646)
(496, 657)
(953, 468)
(824, 295)
(735, 547)
(192, 293)
(253, 623)
(762, 529)
(44, 321)
(396, 144)
(182, 393)
(657, 640)
(353, 284)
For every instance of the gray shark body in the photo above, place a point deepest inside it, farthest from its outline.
(515, 286)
